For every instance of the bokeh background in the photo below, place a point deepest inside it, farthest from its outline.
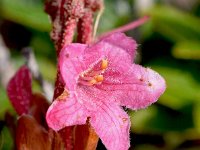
(168, 43)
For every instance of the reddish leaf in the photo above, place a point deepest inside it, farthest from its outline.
(19, 90)
(67, 137)
(38, 108)
(85, 138)
(30, 135)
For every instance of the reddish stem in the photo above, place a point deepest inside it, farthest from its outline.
(69, 31)
(85, 27)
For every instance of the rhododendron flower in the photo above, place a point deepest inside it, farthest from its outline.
(99, 79)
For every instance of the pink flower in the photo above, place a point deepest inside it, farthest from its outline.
(99, 79)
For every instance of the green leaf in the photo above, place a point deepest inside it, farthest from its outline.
(26, 13)
(47, 68)
(159, 118)
(43, 46)
(187, 50)
(113, 16)
(175, 24)
(6, 140)
(196, 114)
(5, 103)
(140, 119)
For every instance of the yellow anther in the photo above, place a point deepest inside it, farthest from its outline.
(93, 81)
(104, 64)
(99, 78)
(96, 79)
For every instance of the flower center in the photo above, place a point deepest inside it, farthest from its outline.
(93, 75)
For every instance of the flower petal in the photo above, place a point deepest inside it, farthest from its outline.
(66, 111)
(70, 63)
(136, 88)
(124, 42)
(112, 125)
(116, 46)
(20, 91)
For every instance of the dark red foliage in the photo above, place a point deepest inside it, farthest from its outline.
(31, 131)
(30, 135)
(20, 91)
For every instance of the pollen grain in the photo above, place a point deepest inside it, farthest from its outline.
(104, 64)
(93, 81)
(99, 78)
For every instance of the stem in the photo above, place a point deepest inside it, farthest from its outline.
(85, 26)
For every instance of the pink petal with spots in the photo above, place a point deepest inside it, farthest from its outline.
(127, 84)
(102, 77)
(66, 112)
(19, 90)
(70, 63)
(136, 88)
(112, 125)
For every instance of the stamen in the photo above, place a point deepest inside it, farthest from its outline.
(96, 79)
(94, 73)
(104, 64)
(99, 78)
(91, 77)
(87, 78)
(93, 81)
(82, 82)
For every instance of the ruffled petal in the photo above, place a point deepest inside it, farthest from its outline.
(136, 88)
(70, 63)
(116, 46)
(112, 125)
(122, 41)
(66, 111)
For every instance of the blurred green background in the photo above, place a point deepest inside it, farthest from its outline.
(169, 43)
